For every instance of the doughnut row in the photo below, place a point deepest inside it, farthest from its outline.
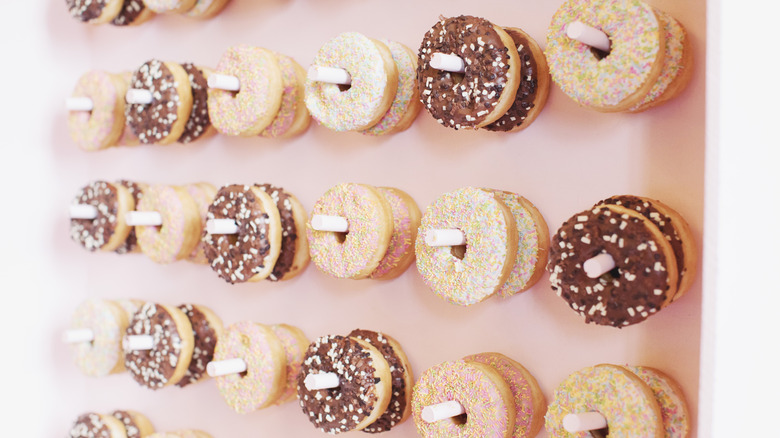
(135, 12)
(117, 424)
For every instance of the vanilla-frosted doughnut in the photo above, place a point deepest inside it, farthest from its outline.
(102, 126)
(203, 194)
(108, 230)
(204, 9)
(179, 233)
(94, 11)
(356, 254)
(491, 246)
(619, 395)
(295, 344)
(671, 399)
(136, 424)
(265, 376)
(175, 6)
(479, 388)
(133, 13)
(623, 78)
(288, 120)
(198, 125)
(254, 106)
(294, 252)
(107, 321)
(136, 190)
(406, 220)
(369, 96)
(94, 425)
(206, 329)
(487, 87)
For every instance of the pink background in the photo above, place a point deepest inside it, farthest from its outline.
(566, 161)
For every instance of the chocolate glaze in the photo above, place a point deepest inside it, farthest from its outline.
(90, 425)
(153, 122)
(635, 289)
(86, 10)
(395, 410)
(526, 91)
(132, 241)
(199, 120)
(92, 234)
(131, 10)
(463, 103)
(338, 409)
(289, 231)
(131, 429)
(205, 342)
(237, 258)
(154, 368)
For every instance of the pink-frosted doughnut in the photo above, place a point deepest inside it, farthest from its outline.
(358, 253)
(622, 78)
(291, 90)
(203, 194)
(250, 110)
(101, 127)
(674, 408)
(374, 82)
(295, 344)
(406, 103)
(491, 246)
(181, 224)
(174, 6)
(479, 388)
(265, 375)
(103, 355)
(406, 220)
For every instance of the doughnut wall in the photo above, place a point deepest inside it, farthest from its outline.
(570, 158)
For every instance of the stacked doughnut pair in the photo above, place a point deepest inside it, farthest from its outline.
(621, 401)
(118, 424)
(362, 84)
(628, 56)
(473, 74)
(475, 243)
(485, 395)
(135, 12)
(360, 231)
(362, 381)
(622, 260)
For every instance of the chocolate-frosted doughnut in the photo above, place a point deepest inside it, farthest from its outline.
(133, 13)
(199, 123)
(94, 11)
(93, 425)
(108, 230)
(486, 89)
(206, 330)
(137, 192)
(294, 252)
(136, 425)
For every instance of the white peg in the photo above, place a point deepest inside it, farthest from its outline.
(79, 104)
(224, 82)
(314, 382)
(139, 342)
(218, 368)
(138, 96)
(450, 237)
(77, 336)
(577, 30)
(82, 211)
(446, 62)
(440, 411)
(221, 226)
(336, 224)
(584, 421)
(143, 219)
(331, 75)
(599, 265)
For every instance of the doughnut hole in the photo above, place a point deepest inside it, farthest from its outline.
(343, 87)
(600, 54)
(341, 237)
(458, 251)
(460, 420)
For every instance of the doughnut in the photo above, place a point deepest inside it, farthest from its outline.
(167, 362)
(178, 235)
(671, 399)
(530, 404)
(533, 87)
(204, 9)
(622, 78)
(406, 220)
(136, 424)
(400, 406)
(251, 254)
(645, 278)
(364, 384)
(619, 395)
(468, 277)
(369, 96)
(533, 244)
(199, 124)
(175, 6)
(294, 252)
(108, 230)
(357, 253)
(484, 394)
(94, 425)
(206, 329)
(293, 117)
(136, 190)
(295, 345)
(251, 109)
(133, 13)
(265, 376)
(94, 11)
(162, 121)
(486, 89)
(103, 355)
(302, 118)
(406, 103)
(203, 194)
(101, 127)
